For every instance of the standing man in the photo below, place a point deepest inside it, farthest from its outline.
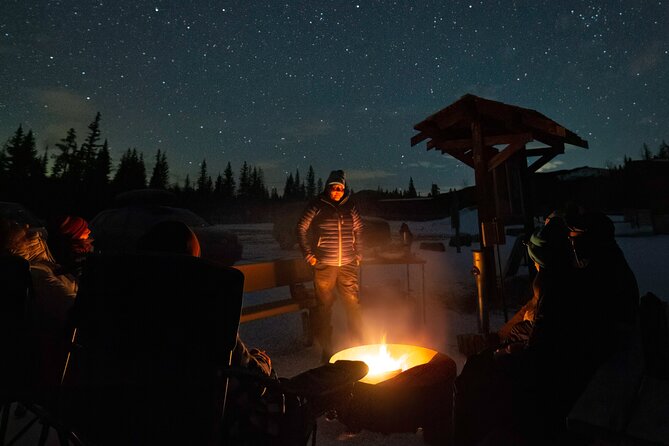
(330, 236)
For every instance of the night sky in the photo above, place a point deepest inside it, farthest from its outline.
(333, 84)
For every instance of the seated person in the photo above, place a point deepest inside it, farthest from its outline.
(522, 390)
(70, 243)
(259, 415)
(53, 294)
(177, 238)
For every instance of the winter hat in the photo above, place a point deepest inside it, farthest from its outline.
(336, 177)
(549, 245)
(596, 226)
(72, 226)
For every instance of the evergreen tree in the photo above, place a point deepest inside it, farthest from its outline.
(131, 172)
(258, 189)
(298, 186)
(228, 187)
(434, 190)
(187, 185)
(22, 162)
(311, 183)
(274, 194)
(289, 187)
(411, 192)
(646, 154)
(102, 166)
(89, 150)
(66, 163)
(218, 186)
(244, 181)
(204, 181)
(663, 151)
(319, 186)
(161, 172)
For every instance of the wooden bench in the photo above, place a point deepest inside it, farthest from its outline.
(627, 400)
(292, 273)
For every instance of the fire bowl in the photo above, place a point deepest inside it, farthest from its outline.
(408, 355)
(403, 400)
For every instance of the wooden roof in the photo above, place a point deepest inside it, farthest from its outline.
(450, 130)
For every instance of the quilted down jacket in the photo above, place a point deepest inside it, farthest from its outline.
(331, 231)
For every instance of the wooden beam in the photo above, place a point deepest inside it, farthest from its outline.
(460, 156)
(466, 143)
(513, 138)
(538, 164)
(538, 151)
(505, 154)
(451, 144)
(416, 139)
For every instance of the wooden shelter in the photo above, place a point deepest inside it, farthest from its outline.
(491, 137)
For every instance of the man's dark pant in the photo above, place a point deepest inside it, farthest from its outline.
(345, 279)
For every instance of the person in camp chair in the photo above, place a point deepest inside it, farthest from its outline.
(263, 408)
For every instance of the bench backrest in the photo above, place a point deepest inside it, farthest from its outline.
(266, 275)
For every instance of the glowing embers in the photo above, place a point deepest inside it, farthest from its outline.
(385, 360)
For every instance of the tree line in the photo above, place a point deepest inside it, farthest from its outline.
(78, 177)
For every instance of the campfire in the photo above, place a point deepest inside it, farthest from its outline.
(386, 360)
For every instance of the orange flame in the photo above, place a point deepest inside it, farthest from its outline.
(385, 360)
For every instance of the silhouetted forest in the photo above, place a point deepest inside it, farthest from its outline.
(81, 178)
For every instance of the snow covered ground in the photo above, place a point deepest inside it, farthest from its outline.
(388, 312)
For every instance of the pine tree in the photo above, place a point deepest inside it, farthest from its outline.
(646, 154)
(160, 173)
(311, 183)
(298, 186)
(244, 181)
(131, 172)
(663, 151)
(89, 150)
(289, 187)
(411, 192)
(319, 186)
(66, 162)
(102, 166)
(203, 181)
(218, 186)
(21, 156)
(434, 190)
(228, 187)
(187, 185)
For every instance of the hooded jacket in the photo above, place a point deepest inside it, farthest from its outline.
(331, 231)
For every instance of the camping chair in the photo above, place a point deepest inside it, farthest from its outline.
(15, 287)
(20, 360)
(153, 332)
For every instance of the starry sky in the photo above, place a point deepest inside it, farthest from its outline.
(332, 84)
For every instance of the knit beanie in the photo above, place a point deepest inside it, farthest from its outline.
(549, 245)
(72, 227)
(336, 177)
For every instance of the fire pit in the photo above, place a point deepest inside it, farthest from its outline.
(386, 360)
(407, 387)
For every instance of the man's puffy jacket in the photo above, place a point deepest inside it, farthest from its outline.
(331, 231)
